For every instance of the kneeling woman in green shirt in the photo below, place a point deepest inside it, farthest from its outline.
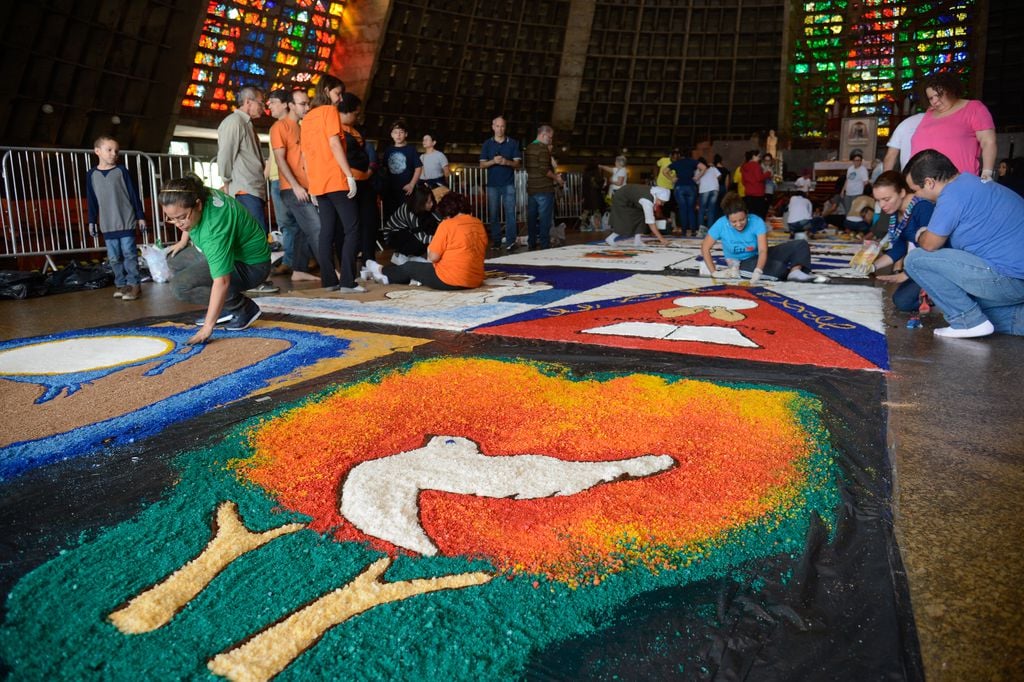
(230, 254)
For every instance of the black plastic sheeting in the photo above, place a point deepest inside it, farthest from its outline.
(843, 614)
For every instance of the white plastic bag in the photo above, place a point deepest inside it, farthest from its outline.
(156, 260)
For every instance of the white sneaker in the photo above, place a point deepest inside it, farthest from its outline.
(376, 272)
(983, 329)
(351, 290)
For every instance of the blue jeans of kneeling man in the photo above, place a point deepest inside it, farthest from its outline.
(967, 290)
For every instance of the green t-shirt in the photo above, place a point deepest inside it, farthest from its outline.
(228, 234)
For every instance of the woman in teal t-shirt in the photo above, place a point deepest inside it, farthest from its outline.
(745, 248)
(229, 255)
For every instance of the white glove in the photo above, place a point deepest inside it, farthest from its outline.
(756, 277)
(351, 186)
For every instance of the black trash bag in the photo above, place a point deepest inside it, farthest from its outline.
(18, 285)
(78, 276)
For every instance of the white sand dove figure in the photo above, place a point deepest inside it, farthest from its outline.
(380, 497)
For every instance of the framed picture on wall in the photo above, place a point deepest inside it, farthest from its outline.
(859, 134)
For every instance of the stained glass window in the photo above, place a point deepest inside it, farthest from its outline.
(267, 43)
(866, 57)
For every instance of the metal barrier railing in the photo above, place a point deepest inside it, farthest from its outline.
(44, 212)
(473, 183)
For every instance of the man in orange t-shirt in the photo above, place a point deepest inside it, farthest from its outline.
(284, 143)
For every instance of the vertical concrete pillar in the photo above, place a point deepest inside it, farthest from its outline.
(574, 60)
(360, 39)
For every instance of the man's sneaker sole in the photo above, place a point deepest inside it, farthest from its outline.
(220, 320)
(239, 326)
(263, 289)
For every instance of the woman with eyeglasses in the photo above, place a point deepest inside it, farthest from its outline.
(228, 254)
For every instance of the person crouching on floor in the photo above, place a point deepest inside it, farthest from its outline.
(745, 247)
(228, 254)
(633, 209)
(456, 253)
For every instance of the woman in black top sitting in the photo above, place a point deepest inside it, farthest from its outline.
(411, 227)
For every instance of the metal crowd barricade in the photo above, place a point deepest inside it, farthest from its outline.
(472, 182)
(44, 210)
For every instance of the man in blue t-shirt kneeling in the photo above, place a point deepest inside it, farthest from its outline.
(979, 282)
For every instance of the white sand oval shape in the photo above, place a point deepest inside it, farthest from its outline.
(83, 354)
(726, 302)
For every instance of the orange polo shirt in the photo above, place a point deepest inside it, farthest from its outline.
(461, 242)
(322, 169)
(285, 135)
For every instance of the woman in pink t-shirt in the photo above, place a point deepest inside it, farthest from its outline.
(959, 128)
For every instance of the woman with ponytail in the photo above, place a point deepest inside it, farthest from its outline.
(332, 182)
(222, 253)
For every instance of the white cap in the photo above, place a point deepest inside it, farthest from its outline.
(660, 193)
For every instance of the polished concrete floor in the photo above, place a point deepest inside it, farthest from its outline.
(956, 434)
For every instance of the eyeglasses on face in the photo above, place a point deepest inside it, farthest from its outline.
(182, 219)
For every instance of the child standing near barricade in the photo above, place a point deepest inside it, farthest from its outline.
(115, 210)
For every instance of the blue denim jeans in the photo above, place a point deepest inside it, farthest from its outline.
(686, 202)
(967, 290)
(498, 198)
(540, 211)
(708, 208)
(285, 222)
(124, 260)
(256, 207)
(307, 237)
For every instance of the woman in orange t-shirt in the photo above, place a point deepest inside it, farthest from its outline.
(332, 183)
(456, 253)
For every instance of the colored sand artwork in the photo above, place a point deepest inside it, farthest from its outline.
(750, 323)
(444, 519)
(73, 393)
(624, 256)
(832, 259)
(506, 291)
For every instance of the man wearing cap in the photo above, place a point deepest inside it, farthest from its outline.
(632, 208)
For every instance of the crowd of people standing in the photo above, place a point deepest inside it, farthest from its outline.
(325, 178)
